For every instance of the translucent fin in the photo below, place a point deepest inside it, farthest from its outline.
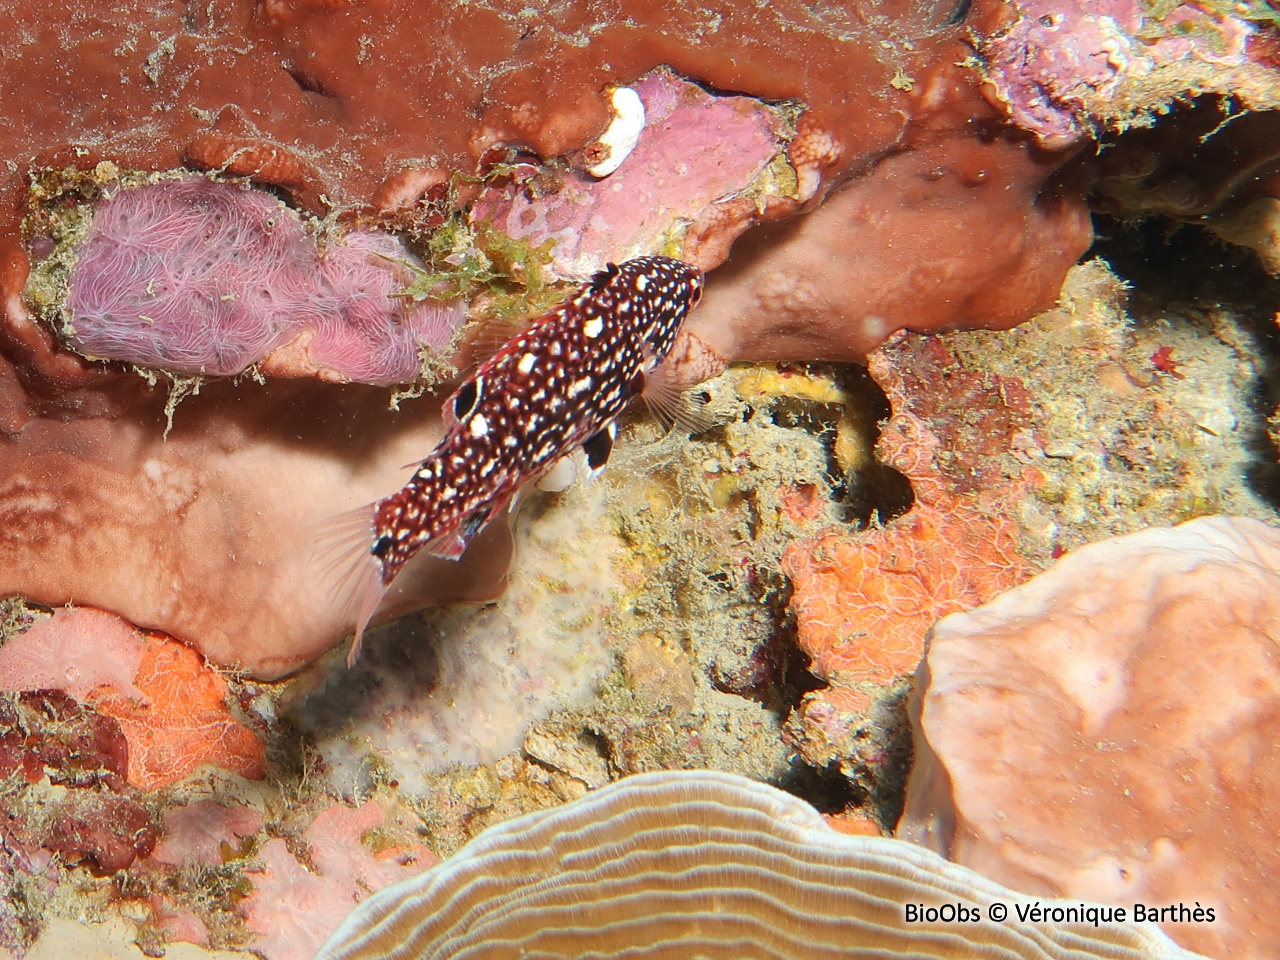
(447, 546)
(671, 404)
(560, 476)
(484, 339)
(344, 561)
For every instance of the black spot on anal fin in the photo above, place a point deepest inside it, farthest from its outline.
(598, 447)
(472, 525)
(601, 277)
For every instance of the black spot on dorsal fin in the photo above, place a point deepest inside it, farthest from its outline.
(599, 446)
(465, 401)
(601, 277)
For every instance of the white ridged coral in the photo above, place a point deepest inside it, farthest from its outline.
(705, 864)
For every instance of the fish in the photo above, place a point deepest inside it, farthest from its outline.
(555, 389)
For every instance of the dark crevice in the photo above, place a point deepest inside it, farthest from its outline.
(309, 83)
(1165, 263)
(827, 788)
(867, 493)
(775, 673)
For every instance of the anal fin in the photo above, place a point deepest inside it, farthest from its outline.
(598, 447)
(452, 544)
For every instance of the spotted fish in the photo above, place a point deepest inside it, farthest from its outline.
(558, 386)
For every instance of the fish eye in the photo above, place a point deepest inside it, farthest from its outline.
(465, 401)
(381, 547)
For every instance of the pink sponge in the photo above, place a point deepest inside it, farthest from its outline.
(75, 651)
(192, 276)
(200, 277)
(368, 333)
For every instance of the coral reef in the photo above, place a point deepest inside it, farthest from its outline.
(889, 149)
(293, 909)
(209, 534)
(1064, 71)
(834, 285)
(703, 864)
(863, 603)
(677, 660)
(1107, 731)
(184, 720)
(1215, 166)
(63, 801)
(196, 832)
(76, 651)
(847, 171)
(1017, 446)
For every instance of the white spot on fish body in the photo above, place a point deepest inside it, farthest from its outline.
(593, 327)
(642, 283)
(580, 386)
(526, 362)
(479, 425)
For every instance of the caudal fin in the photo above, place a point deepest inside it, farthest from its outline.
(344, 561)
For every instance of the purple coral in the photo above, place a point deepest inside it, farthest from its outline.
(192, 276)
(1046, 65)
(201, 277)
(369, 333)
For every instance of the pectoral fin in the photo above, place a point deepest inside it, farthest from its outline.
(671, 404)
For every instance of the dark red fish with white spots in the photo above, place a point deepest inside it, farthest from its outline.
(558, 386)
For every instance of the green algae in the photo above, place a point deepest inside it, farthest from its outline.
(465, 261)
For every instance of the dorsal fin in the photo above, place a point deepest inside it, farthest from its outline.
(601, 277)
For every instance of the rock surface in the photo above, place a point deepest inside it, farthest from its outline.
(1109, 731)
